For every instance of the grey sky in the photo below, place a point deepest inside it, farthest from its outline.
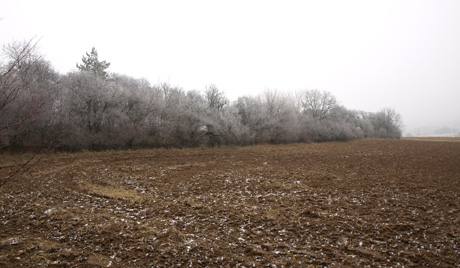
(369, 54)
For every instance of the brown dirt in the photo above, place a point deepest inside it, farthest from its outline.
(366, 203)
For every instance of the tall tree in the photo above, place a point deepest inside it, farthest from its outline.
(92, 64)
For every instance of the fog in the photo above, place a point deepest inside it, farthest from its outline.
(370, 55)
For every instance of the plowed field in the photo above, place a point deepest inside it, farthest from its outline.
(365, 203)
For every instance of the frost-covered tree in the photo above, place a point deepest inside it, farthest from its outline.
(387, 123)
(216, 99)
(280, 118)
(250, 110)
(28, 86)
(91, 63)
(86, 110)
(320, 105)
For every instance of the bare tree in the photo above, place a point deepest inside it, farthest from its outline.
(20, 58)
(27, 88)
(281, 121)
(320, 105)
(387, 123)
(216, 99)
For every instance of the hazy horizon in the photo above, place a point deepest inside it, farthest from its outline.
(370, 55)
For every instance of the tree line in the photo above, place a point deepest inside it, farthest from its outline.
(91, 108)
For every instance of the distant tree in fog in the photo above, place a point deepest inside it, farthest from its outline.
(387, 123)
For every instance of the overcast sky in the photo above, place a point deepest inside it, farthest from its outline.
(369, 54)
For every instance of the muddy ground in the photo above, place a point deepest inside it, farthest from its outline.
(366, 203)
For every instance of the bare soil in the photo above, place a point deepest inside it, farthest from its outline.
(366, 203)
